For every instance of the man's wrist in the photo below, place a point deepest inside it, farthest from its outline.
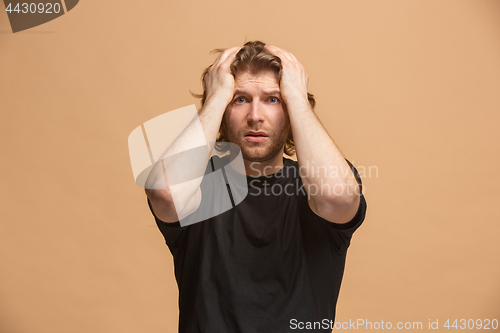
(219, 98)
(298, 103)
(216, 102)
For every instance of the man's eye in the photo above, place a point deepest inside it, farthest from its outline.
(240, 100)
(273, 100)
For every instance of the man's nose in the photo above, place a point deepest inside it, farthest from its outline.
(255, 114)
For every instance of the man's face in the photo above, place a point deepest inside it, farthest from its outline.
(256, 119)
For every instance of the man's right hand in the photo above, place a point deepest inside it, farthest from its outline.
(219, 81)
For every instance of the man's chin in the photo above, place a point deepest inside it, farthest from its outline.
(258, 154)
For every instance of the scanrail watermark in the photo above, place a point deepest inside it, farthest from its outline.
(365, 324)
(297, 187)
(310, 179)
(310, 169)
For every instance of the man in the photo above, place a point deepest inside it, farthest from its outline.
(274, 262)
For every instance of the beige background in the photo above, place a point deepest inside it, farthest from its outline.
(411, 87)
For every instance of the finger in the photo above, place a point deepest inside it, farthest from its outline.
(279, 52)
(221, 58)
(231, 56)
(226, 54)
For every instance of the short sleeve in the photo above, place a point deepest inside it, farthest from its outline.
(340, 234)
(172, 232)
(358, 219)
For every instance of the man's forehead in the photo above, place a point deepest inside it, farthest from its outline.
(267, 79)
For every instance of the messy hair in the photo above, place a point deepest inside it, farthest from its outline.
(253, 58)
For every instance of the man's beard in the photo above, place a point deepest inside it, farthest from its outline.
(259, 152)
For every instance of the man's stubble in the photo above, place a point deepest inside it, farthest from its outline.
(260, 152)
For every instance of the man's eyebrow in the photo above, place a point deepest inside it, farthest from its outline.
(239, 91)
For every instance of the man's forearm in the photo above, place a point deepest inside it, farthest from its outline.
(183, 158)
(324, 171)
(328, 180)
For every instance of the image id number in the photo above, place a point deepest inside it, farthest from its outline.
(463, 324)
(33, 8)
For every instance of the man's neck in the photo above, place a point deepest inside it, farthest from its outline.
(257, 169)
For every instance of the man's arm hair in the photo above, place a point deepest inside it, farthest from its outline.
(175, 201)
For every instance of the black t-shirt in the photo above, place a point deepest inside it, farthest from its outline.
(266, 265)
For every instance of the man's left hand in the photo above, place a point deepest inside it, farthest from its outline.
(293, 82)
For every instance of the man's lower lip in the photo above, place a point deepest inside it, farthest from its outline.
(256, 138)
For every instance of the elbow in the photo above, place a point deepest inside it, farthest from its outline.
(338, 208)
(162, 196)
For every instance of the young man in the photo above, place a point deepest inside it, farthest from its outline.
(274, 262)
